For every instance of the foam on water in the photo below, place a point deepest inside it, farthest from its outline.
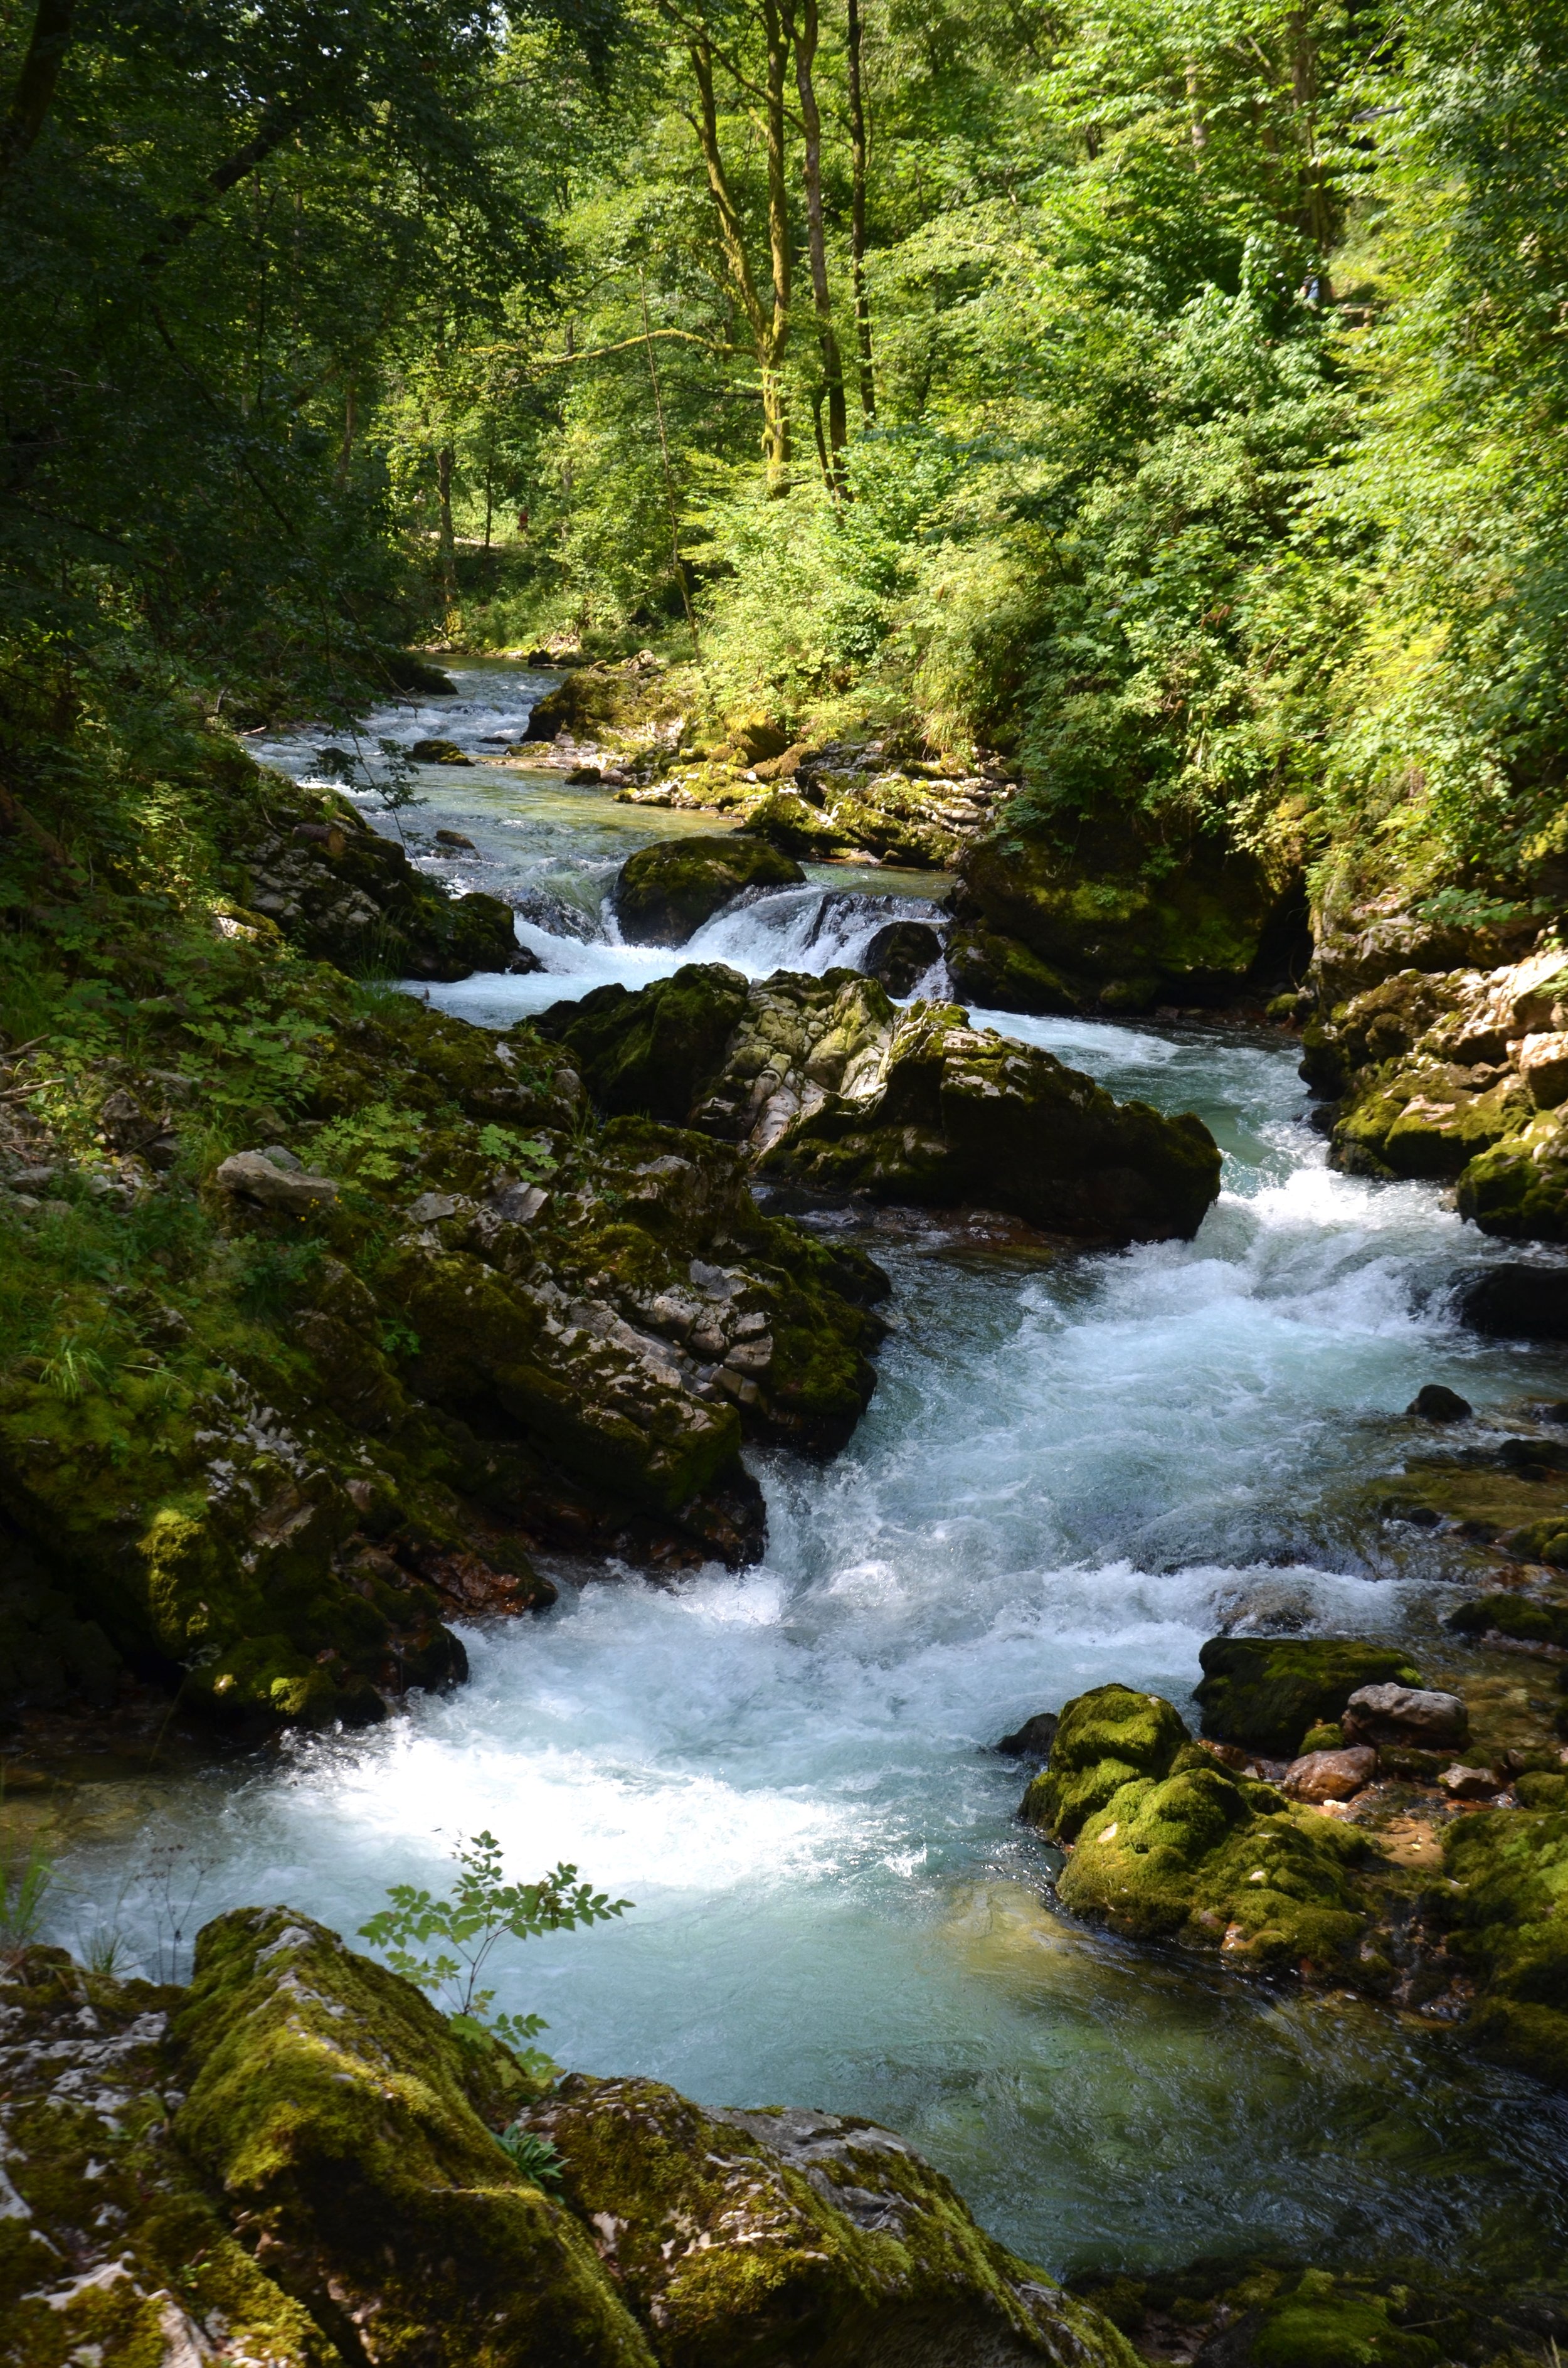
(1069, 1473)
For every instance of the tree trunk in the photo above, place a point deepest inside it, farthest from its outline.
(449, 542)
(804, 36)
(34, 91)
(858, 217)
(350, 428)
(769, 330)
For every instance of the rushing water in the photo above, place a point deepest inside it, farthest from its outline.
(1071, 1472)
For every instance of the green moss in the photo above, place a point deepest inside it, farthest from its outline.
(1323, 2324)
(1426, 1121)
(1106, 1739)
(1520, 1188)
(1001, 974)
(335, 2110)
(665, 892)
(728, 2240)
(1265, 1692)
(1509, 1920)
(652, 1051)
(1127, 923)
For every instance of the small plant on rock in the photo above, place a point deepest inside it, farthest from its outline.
(482, 1910)
(534, 2156)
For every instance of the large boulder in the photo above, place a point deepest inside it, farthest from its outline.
(820, 1079)
(1117, 918)
(806, 2238)
(313, 869)
(1267, 1692)
(1515, 1302)
(298, 2160)
(665, 892)
(1165, 1842)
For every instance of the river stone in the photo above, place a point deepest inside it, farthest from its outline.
(1434, 1403)
(1463, 1783)
(665, 892)
(901, 953)
(1515, 1301)
(439, 752)
(1414, 1715)
(1264, 1693)
(1033, 1739)
(1330, 1775)
(1104, 1739)
(1127, 922)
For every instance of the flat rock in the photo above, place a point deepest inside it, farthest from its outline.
(1330, 1775)
(1406, 1715)
(253, 1177)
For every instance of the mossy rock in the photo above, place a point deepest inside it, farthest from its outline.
(612, 702)
(341, 2119)
(651, 1052)
(1219, 1862)
(1128, 921)
(665, 892)
(799, 2238)
(785, 820)
(1000, 973)
(1523, 1618)
(1508, 1920)
(1323, 2322)
(1265, 1692)
(1425, 1121)
(1519, 1189)
(1104, 1739)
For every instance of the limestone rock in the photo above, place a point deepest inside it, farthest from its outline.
(1330, 1775)
(1412, 1715)
(1126, 923)
(822, 1080)
(1264, 1693)
(783, 2234)
(342, 892)
(1462, 1783)
(1034, 1739)
(665, 892)
(1000, 973)
(1104, 1739)
(900, 954)
(1543, 1064)
(254, 1176)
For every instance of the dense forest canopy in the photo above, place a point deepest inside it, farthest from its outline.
(1169, 397)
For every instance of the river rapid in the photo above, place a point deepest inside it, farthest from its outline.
(1072, 1471)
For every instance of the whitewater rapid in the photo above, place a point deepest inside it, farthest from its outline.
(1072, 1471)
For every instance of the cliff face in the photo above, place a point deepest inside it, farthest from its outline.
(297, 2160)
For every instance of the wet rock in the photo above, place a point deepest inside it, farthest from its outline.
(1434, 1403)
(1127, 923)
(1543, 1064)
(823, 1082)
(439, 752)
(1508, 1930)
(1462, 1783)
(1330, 1775)
(1520, 1618)
(1033, 1739)
(1000, 973)
(629, 706)
(453, 838)
(1414, 1715)
(806, 2236)
(254, 1176)
(665, 892)
(899, 955)
(1265, 1692)
(1164, 1841)
(1516, 1302)
(407, 671)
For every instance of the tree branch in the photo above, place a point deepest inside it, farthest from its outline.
(31, 99)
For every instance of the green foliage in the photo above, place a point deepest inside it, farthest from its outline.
(482, 1910)
(373, 1145)
(535, 2156)
(27, 1878)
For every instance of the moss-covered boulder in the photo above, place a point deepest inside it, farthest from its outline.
(1272, 2312)
(900, 953)
(1000, 973)
(353, 2136)
(822, 1080)
(622, 705)
(1104, 1738)
(812, 2239)
(1265, 1692)
(1164, 1842)
(297, 2160)
(311, 865)
(1128, 922)
(1426, 1120)
(665, 892)
(652, 1051)
(1507, 1911)
(1518, 1189)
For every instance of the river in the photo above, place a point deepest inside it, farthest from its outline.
(1072, 1471)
